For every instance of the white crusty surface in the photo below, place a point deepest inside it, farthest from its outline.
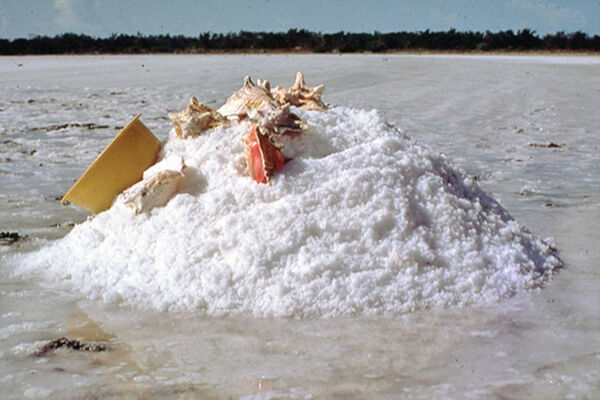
(362, 220)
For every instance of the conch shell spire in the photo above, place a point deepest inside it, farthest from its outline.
(248, 96)
(300, 95)
(263, 84)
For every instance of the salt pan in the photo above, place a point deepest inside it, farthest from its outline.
(363, 219)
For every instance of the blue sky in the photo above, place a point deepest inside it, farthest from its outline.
(100, 18)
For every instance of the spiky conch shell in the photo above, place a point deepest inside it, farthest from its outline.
(249, 95)
(195, 119)
(254, 101)
(278, 120)
(262, 156)
(300, 95)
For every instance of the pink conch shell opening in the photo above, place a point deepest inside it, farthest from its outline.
(262, 156)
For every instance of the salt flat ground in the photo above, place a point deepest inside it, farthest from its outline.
(527, 127)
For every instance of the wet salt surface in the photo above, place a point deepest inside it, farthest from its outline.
(483, 113)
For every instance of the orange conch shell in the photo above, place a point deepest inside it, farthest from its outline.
(300, 95)
(262, 156)
(194, 119)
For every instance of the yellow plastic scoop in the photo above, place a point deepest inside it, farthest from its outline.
(118, 167)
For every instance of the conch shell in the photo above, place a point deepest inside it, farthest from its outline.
(262, 156)
(248, 96)
(159, 184)
(278, 120)
(300, 95)
(195, 119)
(254, 101)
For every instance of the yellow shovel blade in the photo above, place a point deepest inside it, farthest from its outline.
(118, 167)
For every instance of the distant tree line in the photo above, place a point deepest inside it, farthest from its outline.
(304, 41)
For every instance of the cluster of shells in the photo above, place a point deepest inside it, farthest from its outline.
(268, 109)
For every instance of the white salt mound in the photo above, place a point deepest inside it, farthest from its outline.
(362, 220)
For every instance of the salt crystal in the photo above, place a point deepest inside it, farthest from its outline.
(363, 219)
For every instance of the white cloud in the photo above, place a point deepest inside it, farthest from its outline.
(66, 17)
(78, 16)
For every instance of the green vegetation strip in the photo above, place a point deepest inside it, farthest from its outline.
(305, 41)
